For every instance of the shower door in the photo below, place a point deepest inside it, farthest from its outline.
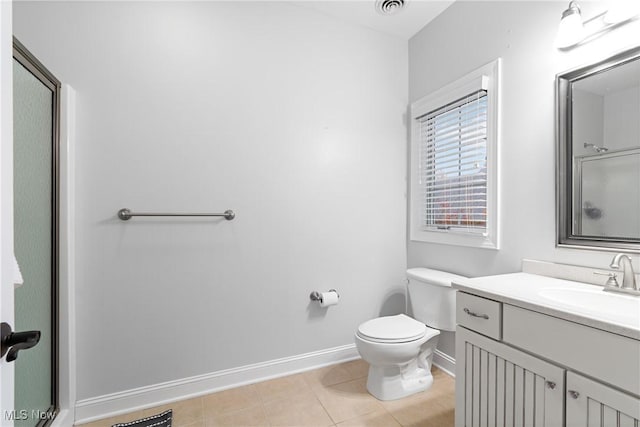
(35, 111)
(608, 194)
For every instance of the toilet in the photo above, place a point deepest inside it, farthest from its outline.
(399, 349)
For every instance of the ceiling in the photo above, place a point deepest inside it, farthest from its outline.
(404, 23)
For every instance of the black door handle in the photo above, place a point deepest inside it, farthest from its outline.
(12, 342)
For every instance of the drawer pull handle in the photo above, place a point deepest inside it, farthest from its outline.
(472, 314)
(551, 385)
(574, 394)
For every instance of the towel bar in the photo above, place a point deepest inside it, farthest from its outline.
(126, 214)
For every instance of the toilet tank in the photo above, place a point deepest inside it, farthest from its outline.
(433, 300)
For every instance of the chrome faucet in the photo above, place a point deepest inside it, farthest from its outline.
(629, 284)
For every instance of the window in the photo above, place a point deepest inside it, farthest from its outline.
(454, 162)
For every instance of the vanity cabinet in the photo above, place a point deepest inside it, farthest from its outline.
(590, 403)
(504, 387)
(518, 367)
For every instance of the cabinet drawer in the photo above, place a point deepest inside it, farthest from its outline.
(479, 314)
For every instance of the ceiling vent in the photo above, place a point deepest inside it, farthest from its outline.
(389, 7)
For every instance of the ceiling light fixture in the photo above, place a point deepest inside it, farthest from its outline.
(573, 30)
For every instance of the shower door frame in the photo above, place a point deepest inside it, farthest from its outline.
(579, 161)
(35, 67)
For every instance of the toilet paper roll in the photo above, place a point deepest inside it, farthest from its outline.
(328, 298)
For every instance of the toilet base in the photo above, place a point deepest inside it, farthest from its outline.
(396, 382)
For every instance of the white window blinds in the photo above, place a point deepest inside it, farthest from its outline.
(453, 166)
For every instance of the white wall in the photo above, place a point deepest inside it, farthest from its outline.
(467, 35)
(587, 122)
(622, 118)
(290, 118)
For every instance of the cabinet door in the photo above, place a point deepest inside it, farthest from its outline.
(499, 386)
(592, 404)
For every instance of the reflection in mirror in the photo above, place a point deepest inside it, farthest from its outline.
(599, 154)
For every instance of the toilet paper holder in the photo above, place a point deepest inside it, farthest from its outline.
(317, 296)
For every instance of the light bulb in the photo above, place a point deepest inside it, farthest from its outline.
(571, 29)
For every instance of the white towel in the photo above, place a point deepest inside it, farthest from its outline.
(17, 275)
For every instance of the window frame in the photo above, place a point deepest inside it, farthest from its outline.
(486, 77)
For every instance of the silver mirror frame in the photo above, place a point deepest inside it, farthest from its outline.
(564, 158)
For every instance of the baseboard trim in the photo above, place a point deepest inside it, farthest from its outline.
(445, 362)
(100, 407)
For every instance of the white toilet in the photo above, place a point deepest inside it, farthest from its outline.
(399, 349)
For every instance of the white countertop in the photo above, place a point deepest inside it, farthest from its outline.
(616, 313)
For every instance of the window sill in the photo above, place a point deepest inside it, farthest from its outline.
(453, 239)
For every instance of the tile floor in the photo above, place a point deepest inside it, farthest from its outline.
(331, 396)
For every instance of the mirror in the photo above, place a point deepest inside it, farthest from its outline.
(598, 170)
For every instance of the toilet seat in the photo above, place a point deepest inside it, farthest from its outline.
(394, 329)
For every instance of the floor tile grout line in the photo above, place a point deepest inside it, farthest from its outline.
(322, 404)
(204, 422)
(394, 417)
(336, 422)
(264, 412)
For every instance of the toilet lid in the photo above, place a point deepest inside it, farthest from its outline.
(399, 328)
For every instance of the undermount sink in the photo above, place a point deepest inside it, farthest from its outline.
(616, 307)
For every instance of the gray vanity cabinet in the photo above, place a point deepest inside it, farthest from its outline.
(500, 386)
(590, 403)
(517, 367)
